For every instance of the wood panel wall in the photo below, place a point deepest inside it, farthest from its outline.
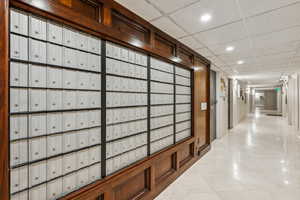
(201, 95)
(4, 148)
(111, 21)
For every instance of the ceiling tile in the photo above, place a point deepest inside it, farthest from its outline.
(232, 59)
(286, 56)
(254, 7)
(222, 12)
(241, 47)
(274, 27)
(276, 20)
(223, 35)
(259, 78)
(168, 6)
(217, 61)
(247, 62)
(226, 68)
(141, 8)
(166, 25)
(205, 52)
(191, 42)
(277, 38)
(214, 68)
(280, 48)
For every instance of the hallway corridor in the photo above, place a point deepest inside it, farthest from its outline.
(257, 160)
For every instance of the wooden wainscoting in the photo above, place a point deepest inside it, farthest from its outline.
(186, 153)
(144, 180)
(134, 188)
(165, 167)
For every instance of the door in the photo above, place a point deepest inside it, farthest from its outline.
(213, 106)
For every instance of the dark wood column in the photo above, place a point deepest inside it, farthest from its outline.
(4, 147)
(201, 95)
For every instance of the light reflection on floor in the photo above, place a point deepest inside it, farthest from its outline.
(257, 160)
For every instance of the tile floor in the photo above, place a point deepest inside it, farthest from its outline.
(257, 160)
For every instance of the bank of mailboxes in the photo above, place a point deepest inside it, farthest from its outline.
(125, 114)
(125, 69)
(157, 111)
(49, 77)
(114, 83)
(117, 131)
(162, 105)
(125, 55)
(84, 164)
(162, 88)
(183, 104)
(55, 107)
(180, 108)
(34, 100)
(115, 99)
(161, 144)
(45, 53)
(120, 161)
(157, 134)
(126, 101)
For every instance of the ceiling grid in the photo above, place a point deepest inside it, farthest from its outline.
(263, 36)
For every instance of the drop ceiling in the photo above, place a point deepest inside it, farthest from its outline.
(265, 34)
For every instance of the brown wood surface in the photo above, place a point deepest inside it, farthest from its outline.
(185, 56)
(134, 187)
(164, 168)
(143, 179)
(135, 31)
(164, 46)
(185, 154)
(4, 147)
(88, 8)
(201, 95)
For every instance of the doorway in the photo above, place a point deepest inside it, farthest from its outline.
(213, 106)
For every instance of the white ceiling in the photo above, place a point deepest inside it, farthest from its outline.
(265, 33)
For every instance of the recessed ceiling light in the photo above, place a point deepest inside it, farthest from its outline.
(284, 169)
(286, 182)
(205, 18)
(240, 62)
(230, 48)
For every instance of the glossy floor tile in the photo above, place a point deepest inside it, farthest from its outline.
(257, 160)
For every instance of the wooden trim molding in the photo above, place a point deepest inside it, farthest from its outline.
(104, 29)
(4, 70)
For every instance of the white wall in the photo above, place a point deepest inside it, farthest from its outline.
(240, 108)
(222, 105)
(270, 99)
(284, 105)
(293, 101)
